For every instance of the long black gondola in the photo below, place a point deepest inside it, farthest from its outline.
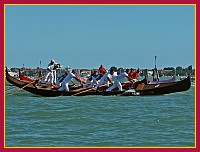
(49, 92)
(159, 89)
(141, 89)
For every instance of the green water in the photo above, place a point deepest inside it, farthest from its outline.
(166, 120)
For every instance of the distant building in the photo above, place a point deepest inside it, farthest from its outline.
(170, 71)
(85, 72)
(68, 69)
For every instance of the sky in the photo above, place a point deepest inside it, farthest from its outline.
(88, 36)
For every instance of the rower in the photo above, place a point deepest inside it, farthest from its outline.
(134, 74)
(106, 79)
(93, 79)
(61, 78)
(102, 69)
(55, 68)
(49, 76)
(131, 73)
(67, 79)
(117, 80)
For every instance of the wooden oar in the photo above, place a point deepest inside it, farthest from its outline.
(27, 85)
(87, 90)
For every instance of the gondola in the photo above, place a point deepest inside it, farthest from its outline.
(49, 92)
(159, 89)
(141, 88)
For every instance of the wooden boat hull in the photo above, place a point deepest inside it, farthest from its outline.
(48, 92)
(22, 77)
(159, 89)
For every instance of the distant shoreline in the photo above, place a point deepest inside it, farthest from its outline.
(169, 71)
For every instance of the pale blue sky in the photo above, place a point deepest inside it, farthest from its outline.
(87, 36)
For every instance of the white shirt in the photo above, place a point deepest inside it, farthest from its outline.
(122, 75)
(114, 77)
(50, 66)
(105, 77)
(69, 77)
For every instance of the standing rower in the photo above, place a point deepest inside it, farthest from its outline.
(56, 67)
(49, 75)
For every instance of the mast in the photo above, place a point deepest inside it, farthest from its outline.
(155, 72)
(40, 64)
(40, 72)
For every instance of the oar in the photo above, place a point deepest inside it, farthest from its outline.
(87, 90)
(27, 85)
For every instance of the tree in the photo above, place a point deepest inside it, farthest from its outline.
(179, 70)
(189, 70)
(169, 68)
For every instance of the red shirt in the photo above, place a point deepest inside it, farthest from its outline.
(102, 70)
(133, 75)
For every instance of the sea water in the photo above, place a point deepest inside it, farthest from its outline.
(96, 121)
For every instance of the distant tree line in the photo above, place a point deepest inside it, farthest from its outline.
(180, 71)
(169, 71)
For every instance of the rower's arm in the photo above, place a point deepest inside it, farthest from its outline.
(130, 79)
(77, 79)
(109, 80)
(49, 69)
